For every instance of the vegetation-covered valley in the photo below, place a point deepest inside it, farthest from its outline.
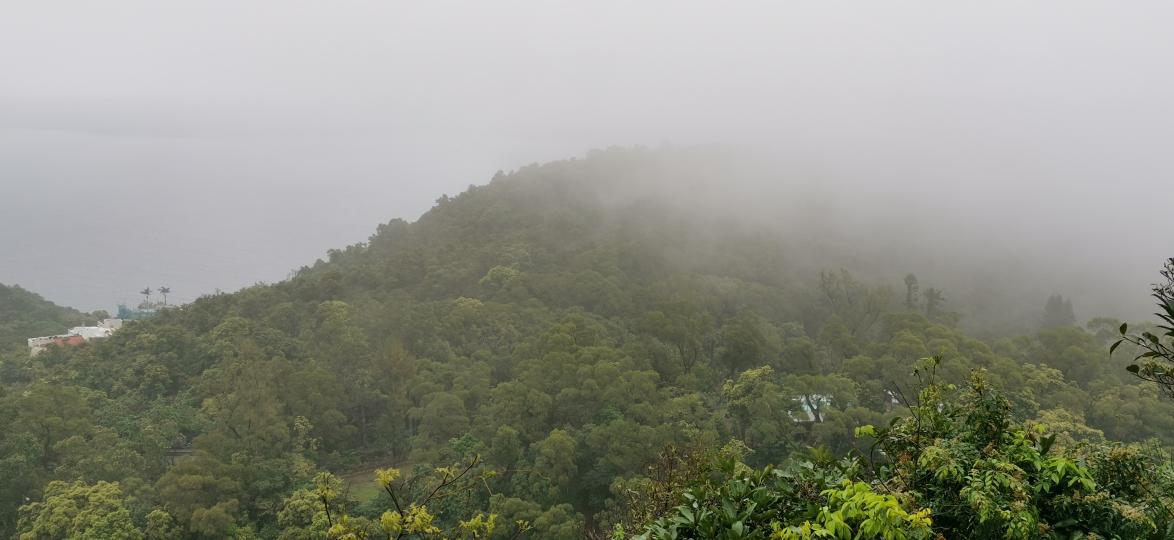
(551, 356)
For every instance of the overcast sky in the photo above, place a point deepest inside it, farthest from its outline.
(213, 144)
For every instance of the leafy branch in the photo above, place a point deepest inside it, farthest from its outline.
(1155, 356)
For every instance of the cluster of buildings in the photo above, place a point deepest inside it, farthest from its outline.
(75, 336)
(81, 334)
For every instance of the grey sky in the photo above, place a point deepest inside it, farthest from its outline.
(213, 144)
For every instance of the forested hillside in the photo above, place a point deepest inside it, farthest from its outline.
(25, 314)
(552, 335)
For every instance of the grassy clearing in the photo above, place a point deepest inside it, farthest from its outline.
(360, 482)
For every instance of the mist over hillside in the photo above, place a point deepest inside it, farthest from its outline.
(998, 260)
(607, 270)
(186, 153)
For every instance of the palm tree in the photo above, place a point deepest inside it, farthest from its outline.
(164, 291)
(146, 295)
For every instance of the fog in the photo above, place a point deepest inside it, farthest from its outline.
(210, 145)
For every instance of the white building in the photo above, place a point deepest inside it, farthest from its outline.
(76, 336)
(90, 332)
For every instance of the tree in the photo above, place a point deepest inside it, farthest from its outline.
(146, 292)
(1155, 350)
(554, 461)
(1058, 312)
(819, 393)
(200, 488)
(911, 293)
(640, 500)
(443, 418)
(78, 510)
(161, 526)
(410, 497)
(743, 343)
(858, 305)
(760, 411)
(49, 414)
(934, 298)
(559, 522)
(682, 325)
(164, 291)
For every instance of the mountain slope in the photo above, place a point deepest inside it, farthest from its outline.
(564, 322)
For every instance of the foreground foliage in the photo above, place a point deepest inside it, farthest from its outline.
(1155, 348)
(954, 467)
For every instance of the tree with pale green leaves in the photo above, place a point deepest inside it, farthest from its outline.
(76, 510)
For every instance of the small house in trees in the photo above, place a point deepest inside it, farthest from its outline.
(75, 336)
(38, 345)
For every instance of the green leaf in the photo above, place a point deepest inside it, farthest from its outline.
(1133, 368)
(1047, 442)
(1124, 328)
